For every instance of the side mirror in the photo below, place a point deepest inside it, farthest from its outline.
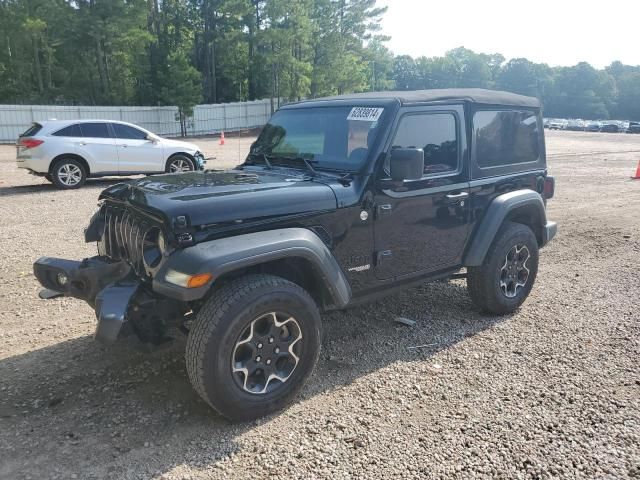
(406, 164)
(152, 138)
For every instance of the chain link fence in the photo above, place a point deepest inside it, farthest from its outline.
(206, 119)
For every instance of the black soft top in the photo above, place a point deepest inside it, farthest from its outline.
(475, 95)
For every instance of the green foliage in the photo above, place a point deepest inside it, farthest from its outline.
(180, 83)
(181, 52)
(120, 52)
(580, 91)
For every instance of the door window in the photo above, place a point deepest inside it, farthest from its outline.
(95, 130)
(436, 135)
(70, 131)
(127, 132)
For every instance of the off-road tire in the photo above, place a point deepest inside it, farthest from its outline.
(483, 282)
(61, 171)
(184, 160)
(217, 328)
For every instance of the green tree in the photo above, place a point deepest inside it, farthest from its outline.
(181, 86)
(380, 60)
(519, 75)
(405, 73)
(123, 52)
(580, 91)
(339, 60)
(628, 101)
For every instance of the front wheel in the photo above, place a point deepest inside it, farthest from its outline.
(253, 345)
(503, 282)
(180, 163)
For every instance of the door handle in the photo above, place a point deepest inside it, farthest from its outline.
(82, 144)
(384, 210)
(124, 145)
(457, 196)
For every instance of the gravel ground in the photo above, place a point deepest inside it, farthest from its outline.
(550, 391)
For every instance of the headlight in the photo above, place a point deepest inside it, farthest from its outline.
(153, 247)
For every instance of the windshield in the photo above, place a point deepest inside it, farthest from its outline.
(333, 138)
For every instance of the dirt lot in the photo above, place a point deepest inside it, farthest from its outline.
(551, 391)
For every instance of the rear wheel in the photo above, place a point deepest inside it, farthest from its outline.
(253, 345)
(68, 173)
(180, 163)
(503, 282)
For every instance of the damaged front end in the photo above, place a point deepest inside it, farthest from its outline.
(125, 306)
(118, 282)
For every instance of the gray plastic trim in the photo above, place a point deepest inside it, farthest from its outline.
(228, 254)
(497, 211)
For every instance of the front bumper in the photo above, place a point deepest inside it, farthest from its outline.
(107, 286)
(200, 160)
(125, 305)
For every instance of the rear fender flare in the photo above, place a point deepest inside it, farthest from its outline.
(227, 255)
(497, 212)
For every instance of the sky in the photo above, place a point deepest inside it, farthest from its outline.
(556, 32)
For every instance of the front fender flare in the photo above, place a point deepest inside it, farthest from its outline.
(494, 217)
(225, 255)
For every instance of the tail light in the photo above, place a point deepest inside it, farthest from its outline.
(30, 142)
(549, 187)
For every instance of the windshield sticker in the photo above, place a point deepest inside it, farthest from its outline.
(365, 114)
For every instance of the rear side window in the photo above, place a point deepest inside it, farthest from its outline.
(95, 130)
(505, 137)
(70, 131)
(125, 131)
(32, 130)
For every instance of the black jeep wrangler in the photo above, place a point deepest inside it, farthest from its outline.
(339, 201)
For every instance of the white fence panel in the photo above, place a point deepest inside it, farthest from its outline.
(210, 119)
(206, 120)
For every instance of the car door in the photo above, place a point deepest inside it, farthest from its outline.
(423, 226)
(137, 154)
(98, 147)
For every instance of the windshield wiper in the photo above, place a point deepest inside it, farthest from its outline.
(264, 157)
(307, 162)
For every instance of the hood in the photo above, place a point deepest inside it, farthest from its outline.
(216, 197)
(168, 142)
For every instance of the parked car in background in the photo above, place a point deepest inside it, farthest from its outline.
(592, 126)
(67, 152)
(557, 124)
(610, 127)
(575, 125)
(634, 127)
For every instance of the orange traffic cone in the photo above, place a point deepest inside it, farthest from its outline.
(221, 138)
(637, 175)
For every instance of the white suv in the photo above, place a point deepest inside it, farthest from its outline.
(66, 152)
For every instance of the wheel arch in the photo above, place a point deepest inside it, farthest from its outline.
(296, 269)
(73, 156)
(522, 206)
(296, 254)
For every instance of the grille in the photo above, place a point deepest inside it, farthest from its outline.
(123, 237)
